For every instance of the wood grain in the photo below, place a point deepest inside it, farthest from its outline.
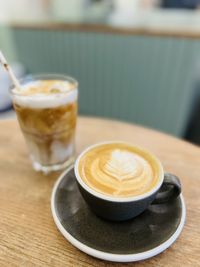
(107, 29)
(28, 235)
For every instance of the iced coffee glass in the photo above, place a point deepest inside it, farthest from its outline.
(46, 108)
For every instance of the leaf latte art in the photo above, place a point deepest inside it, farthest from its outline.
(119, 170)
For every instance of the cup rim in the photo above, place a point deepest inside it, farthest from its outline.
(44, 76)
(117, 199)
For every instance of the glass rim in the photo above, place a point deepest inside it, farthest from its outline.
(44, 76)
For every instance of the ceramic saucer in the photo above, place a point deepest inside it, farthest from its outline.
(137, 239)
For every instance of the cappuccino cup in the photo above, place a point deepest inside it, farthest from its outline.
(119, 181)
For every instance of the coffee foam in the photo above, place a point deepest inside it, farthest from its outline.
(119, 170)
(45, 94)
(121, 165)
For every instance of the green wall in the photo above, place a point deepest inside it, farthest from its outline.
(6, 43)
(141, 79)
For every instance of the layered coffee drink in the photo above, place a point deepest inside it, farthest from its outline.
(47, 109)
(119, 170)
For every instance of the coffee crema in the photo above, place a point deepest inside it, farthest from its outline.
(119, 170)
(45, 94)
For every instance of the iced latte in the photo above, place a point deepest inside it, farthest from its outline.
(46, 108)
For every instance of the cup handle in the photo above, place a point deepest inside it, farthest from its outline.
(170, 189)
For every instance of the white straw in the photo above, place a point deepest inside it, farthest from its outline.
(9, 70)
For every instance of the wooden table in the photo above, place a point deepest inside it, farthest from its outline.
(28, 235)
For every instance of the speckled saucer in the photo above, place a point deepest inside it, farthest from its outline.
(137, 239)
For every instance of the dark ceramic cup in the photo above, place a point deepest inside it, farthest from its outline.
(120, 209)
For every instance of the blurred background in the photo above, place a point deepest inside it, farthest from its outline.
(135, 60)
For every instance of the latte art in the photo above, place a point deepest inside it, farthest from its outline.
(119, 170)
(122, 165)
